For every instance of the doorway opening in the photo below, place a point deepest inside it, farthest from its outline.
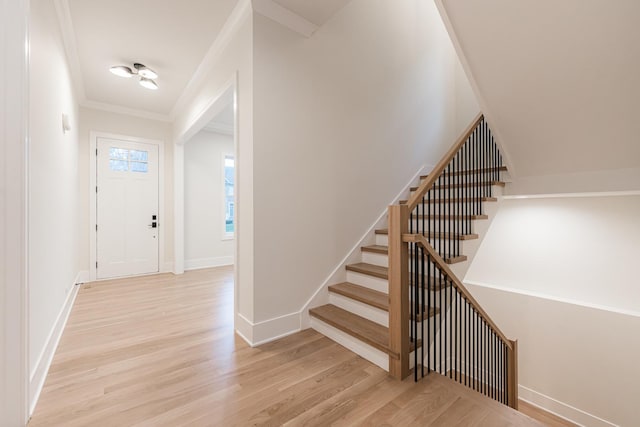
(206, 191)
(209, 194)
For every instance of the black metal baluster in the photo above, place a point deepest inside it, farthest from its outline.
(429, 318)
(440, 341)
(476, 347)
(456, 365)
(450, 335)
(483, 356)
(496, 358)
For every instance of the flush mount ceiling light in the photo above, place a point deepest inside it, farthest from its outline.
(147, 75)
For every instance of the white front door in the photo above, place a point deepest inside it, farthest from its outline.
(127, 238)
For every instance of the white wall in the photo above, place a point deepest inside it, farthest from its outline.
(467, 107)
(13, 160)
(560, 275)
(343, 120)
(205, 244)
(122, 124)
(54, 202)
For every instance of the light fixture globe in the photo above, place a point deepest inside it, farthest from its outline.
(148, 83)
(121, 71)
(145, 71)
(147, 75)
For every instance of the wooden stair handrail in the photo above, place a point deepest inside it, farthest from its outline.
(419, 239)
(439, 168)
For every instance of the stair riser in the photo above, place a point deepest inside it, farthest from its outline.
(382, 239)
(374, 314)
(375, 283)
(366, 351)
(375, 259)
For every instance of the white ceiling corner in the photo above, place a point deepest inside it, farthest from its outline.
(285, 17)
(98, 34)
(317, 12)
(237, 16)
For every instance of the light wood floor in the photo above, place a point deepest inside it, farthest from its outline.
(160, 351)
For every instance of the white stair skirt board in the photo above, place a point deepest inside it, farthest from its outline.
(382, 239)
(375, 283)
(375, 259)
(366, 351)
(196, 264)
(374, 314)
(320, 296)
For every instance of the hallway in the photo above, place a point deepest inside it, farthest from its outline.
(160, 351)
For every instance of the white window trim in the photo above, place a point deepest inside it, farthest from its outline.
(93, 256)
(225, 234)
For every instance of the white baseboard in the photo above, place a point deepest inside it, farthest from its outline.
(41, 368)
(259, 333)
(560, 409)
(83, 277)
(196, 264)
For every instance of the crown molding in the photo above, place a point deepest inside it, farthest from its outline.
(217, 127)
(118, 109)
(230, 27)
(67, 30)
(285, 17)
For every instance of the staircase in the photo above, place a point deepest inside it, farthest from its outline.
(407, 289)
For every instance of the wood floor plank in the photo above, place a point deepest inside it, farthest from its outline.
(160, 351)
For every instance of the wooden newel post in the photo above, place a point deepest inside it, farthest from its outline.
(398, 292)
(513, 375)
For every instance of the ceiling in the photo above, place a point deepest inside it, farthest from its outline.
(164, 35)
(168, 36)
(559, 80)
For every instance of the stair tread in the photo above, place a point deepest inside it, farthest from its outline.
(377, 249)
(363, 329)
(434, 216)
(383, 272)
(358, 327)
(464, 184)
(447, 258)
(369, 269)
(471, 171)
(371, 297)
(435, 236)
(456, 200)
(360, 293)
(463, 199)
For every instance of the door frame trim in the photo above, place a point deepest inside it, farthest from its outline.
(14, 212)
(93, 179)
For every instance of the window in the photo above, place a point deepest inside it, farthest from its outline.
(123, 160)
(229, 203)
